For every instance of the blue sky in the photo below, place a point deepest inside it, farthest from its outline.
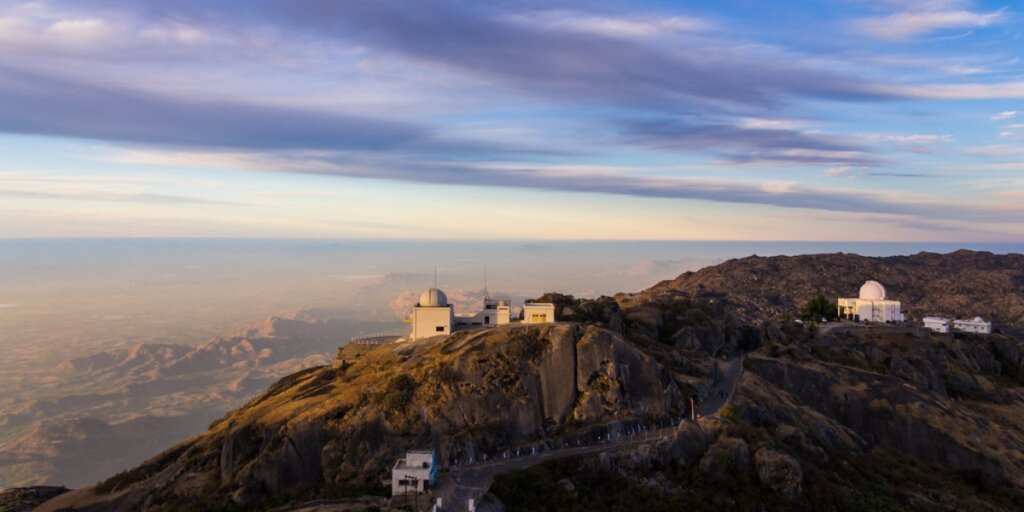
(847, 120)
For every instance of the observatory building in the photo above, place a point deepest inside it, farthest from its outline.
(434, 316)
(871, 305)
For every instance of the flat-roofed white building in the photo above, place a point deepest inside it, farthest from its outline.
(871, 305)
(936, 323)
(415, 473)
(538, 313)
(974, 325)
(496, 311)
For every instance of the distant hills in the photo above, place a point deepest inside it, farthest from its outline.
(107, 411)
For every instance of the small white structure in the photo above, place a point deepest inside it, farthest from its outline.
(975, 325)
(538, 313)
(432, 316)
(871, 305)
(936, 323)
(496, 311)
(415, 473)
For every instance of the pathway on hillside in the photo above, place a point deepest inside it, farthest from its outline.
(459, 485)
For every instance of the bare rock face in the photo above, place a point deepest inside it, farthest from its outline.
(779, 472)
(728, 455)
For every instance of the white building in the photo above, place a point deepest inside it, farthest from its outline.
(432, 316)
(538, 313)
(975, 325)
(936, 323)
(415, 473)
(496, 311)
(871, 305)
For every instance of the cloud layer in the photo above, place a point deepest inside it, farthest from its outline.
(844, 114)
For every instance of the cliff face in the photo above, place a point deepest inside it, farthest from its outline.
(329, 429)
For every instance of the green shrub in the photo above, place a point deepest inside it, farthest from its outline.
(399, 392)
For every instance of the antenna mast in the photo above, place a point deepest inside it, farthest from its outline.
(435, 276)
(485, 282)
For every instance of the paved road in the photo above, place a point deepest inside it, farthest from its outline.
(458, 486)
(722, 391)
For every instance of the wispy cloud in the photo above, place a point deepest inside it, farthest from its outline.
(908, 24)
(745, 142)
(630, 182)
(995, 150)
(1007, 114)
(46, 105)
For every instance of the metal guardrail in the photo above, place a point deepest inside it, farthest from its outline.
(377, 338)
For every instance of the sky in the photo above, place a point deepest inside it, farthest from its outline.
(883, 120)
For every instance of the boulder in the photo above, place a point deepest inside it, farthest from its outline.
(779, 472)
(727, 457)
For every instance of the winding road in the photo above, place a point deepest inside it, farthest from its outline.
(459, 485)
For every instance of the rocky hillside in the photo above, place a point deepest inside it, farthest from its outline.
(960, 284)
(864, 419)
(334, 430)
(838, 417)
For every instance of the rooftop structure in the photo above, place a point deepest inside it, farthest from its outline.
(936, 323)
(871, 305)
(538, 312)
(416, 472)
(975, 325)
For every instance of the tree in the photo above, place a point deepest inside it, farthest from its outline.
(817, 308)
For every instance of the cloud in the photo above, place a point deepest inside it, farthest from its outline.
(45, 105)
(839, 170)
(913, 138)
(79, 32)
(909, 24)
(1007, 114)
(627, 27)
(134, 197)
(962, 91)
(740, 143)
(995, 150)
(481, 41)
(627, 182)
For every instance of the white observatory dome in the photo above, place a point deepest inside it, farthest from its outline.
(433, 297)
(872, 290)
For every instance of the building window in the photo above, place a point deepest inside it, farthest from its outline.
(487, 320)
(539, 318)
(440, 328)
